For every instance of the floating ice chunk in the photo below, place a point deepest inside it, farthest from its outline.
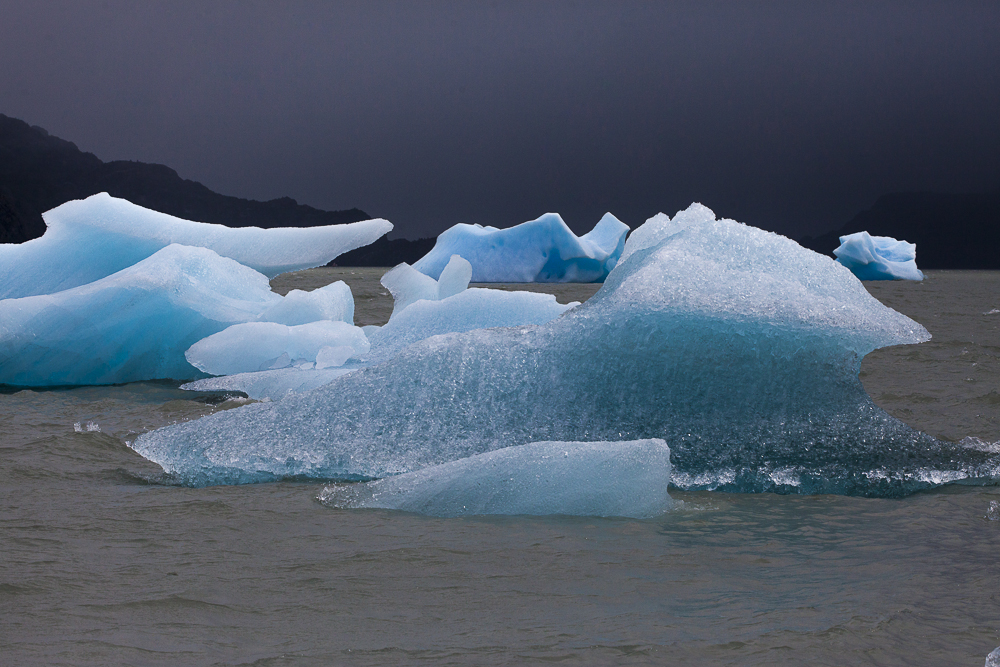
(878, 257)
(993, 659)
(472, 309)
(543, 250)
(270, 385)
(132, 325)
(993, 512)
(257, 346)
(332, 302)
(627, 479)
(92, 238)
(737, 346)
(407, 285)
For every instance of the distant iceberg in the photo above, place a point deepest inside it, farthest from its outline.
(878, 257)
(90, 239)
(540, 251)
(626, 479)
(737, 346)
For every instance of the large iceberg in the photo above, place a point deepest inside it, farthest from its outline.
(136, 324)
(878, 257)
(736, 346)
(540, 251)
(89, 239)
(627, 479)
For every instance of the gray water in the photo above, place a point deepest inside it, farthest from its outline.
(98, 565)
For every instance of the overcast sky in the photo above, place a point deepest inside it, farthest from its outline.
(791, 116)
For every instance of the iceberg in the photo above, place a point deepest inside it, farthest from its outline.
(90, 239)
(736, 346)
(625, 479)
(878, 257)
(257, 346)
(407, 285)
(332, 302)
(539, 251)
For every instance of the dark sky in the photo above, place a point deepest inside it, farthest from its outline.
(792, 116)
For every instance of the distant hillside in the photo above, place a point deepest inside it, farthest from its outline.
(386, 253)
(952, 231)
(39, 172)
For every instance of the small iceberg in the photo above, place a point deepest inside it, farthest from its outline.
(89, 239)
(625, 479)
(259, 346)
(407, 285)
(539, 251)
(878, 257)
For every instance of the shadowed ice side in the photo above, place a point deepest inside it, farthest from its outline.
(627, 479)
(738, 347)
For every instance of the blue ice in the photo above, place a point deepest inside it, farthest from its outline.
(542, 251)
(878, 257)
(136, 324)
(89, 239)
(626, 479)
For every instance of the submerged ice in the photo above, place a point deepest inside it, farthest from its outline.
(89, 239)
(736, 346)
(878, 257)
(627, 479)
(539, 251)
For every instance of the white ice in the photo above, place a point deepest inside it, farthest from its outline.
(407, 285)
(259, 346)
(543, 250)
(626, 479)
(89, 239)
(878, 257)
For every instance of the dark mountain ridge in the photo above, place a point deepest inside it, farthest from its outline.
(39, 171)
(952, 231)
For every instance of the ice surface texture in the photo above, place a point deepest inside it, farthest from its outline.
(540, 251)
(738, 347)
(878, 257)
(627, 479)
(92, 238)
